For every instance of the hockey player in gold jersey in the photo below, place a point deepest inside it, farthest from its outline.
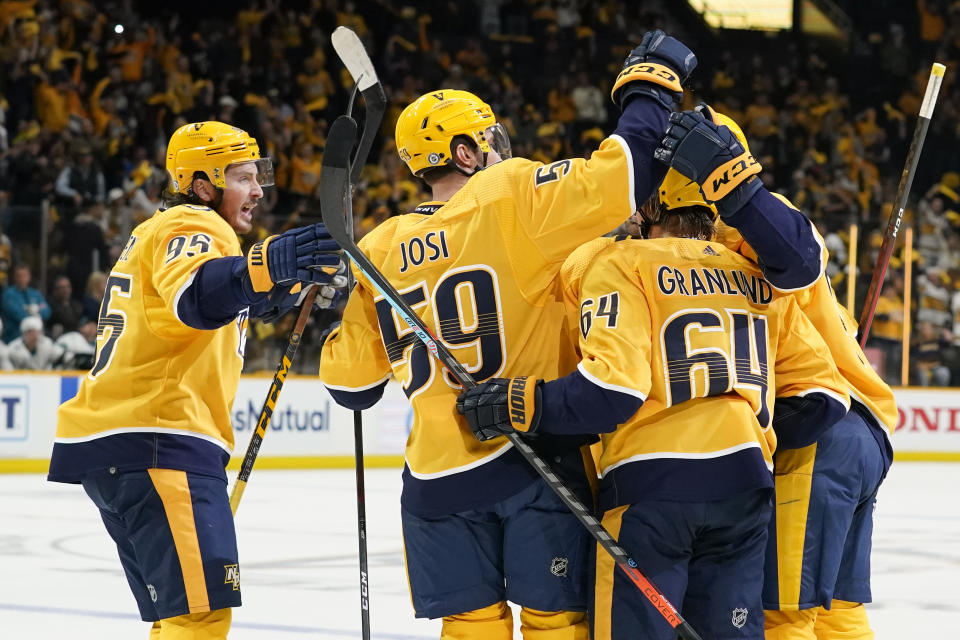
(687, 345)
(480, 264)
(148, 435)
(818, 555)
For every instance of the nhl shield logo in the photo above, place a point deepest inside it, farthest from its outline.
(739, 617)
(558, 567)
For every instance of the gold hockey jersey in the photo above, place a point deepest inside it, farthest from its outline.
(160, 392)
(832, 321)
(482, 272)
(694, 331)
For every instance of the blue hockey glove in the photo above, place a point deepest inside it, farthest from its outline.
(658, 67)
(711, 156)
(502, 405)
(282, 298)
(306, 254)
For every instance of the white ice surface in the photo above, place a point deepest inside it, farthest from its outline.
(60, 577)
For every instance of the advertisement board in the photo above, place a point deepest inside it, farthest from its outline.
(309, 429)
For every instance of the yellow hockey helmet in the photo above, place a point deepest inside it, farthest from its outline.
(676, 190)
(427, 126)
(211, 147)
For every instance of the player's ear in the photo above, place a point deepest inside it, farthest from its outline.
(204, 189)
(464, 156)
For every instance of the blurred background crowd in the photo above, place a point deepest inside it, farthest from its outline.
(90, 92)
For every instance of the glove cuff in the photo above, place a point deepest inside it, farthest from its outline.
(738, 198)
(258, 266)
(652, 72)
(523, 399)
(667, 98)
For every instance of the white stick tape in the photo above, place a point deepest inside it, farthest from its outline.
(354, 57)
(933, 88)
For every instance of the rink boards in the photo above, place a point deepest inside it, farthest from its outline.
(309, 430)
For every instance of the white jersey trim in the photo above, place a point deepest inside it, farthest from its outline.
(830, 394)
(606, 385)
(173, 432)
(686, 456)
(863, 402)
(467, 467)
(180, 292)
(631, 186)
(337, 387)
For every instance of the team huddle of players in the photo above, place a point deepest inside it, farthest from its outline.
(710, 356)
(742, 435)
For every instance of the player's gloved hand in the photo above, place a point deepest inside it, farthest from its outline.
(657, 67)
(306, 254)
(502, 405)
(713, 157)
(283, 298)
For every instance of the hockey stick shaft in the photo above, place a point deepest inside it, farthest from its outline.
(361, 526)
(266, 412)
(335, 195)
(354, 56)
(336, 167)
(903, 192)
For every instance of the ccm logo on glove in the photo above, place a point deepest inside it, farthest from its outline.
(256, 254)
(718, 184)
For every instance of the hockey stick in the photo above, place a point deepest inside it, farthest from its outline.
(354, 56)
(338, 190)
(336, 169)
(266, 412)
(903, 191)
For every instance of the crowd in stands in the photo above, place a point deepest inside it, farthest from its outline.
(91, 91)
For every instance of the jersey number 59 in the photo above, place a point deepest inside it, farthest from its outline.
(467, 312)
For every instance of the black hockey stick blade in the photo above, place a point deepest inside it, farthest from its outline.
(354, 57)
(335, 185)
(371, 123)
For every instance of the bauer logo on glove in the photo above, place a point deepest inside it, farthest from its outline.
(500, 406)
(521, 395)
